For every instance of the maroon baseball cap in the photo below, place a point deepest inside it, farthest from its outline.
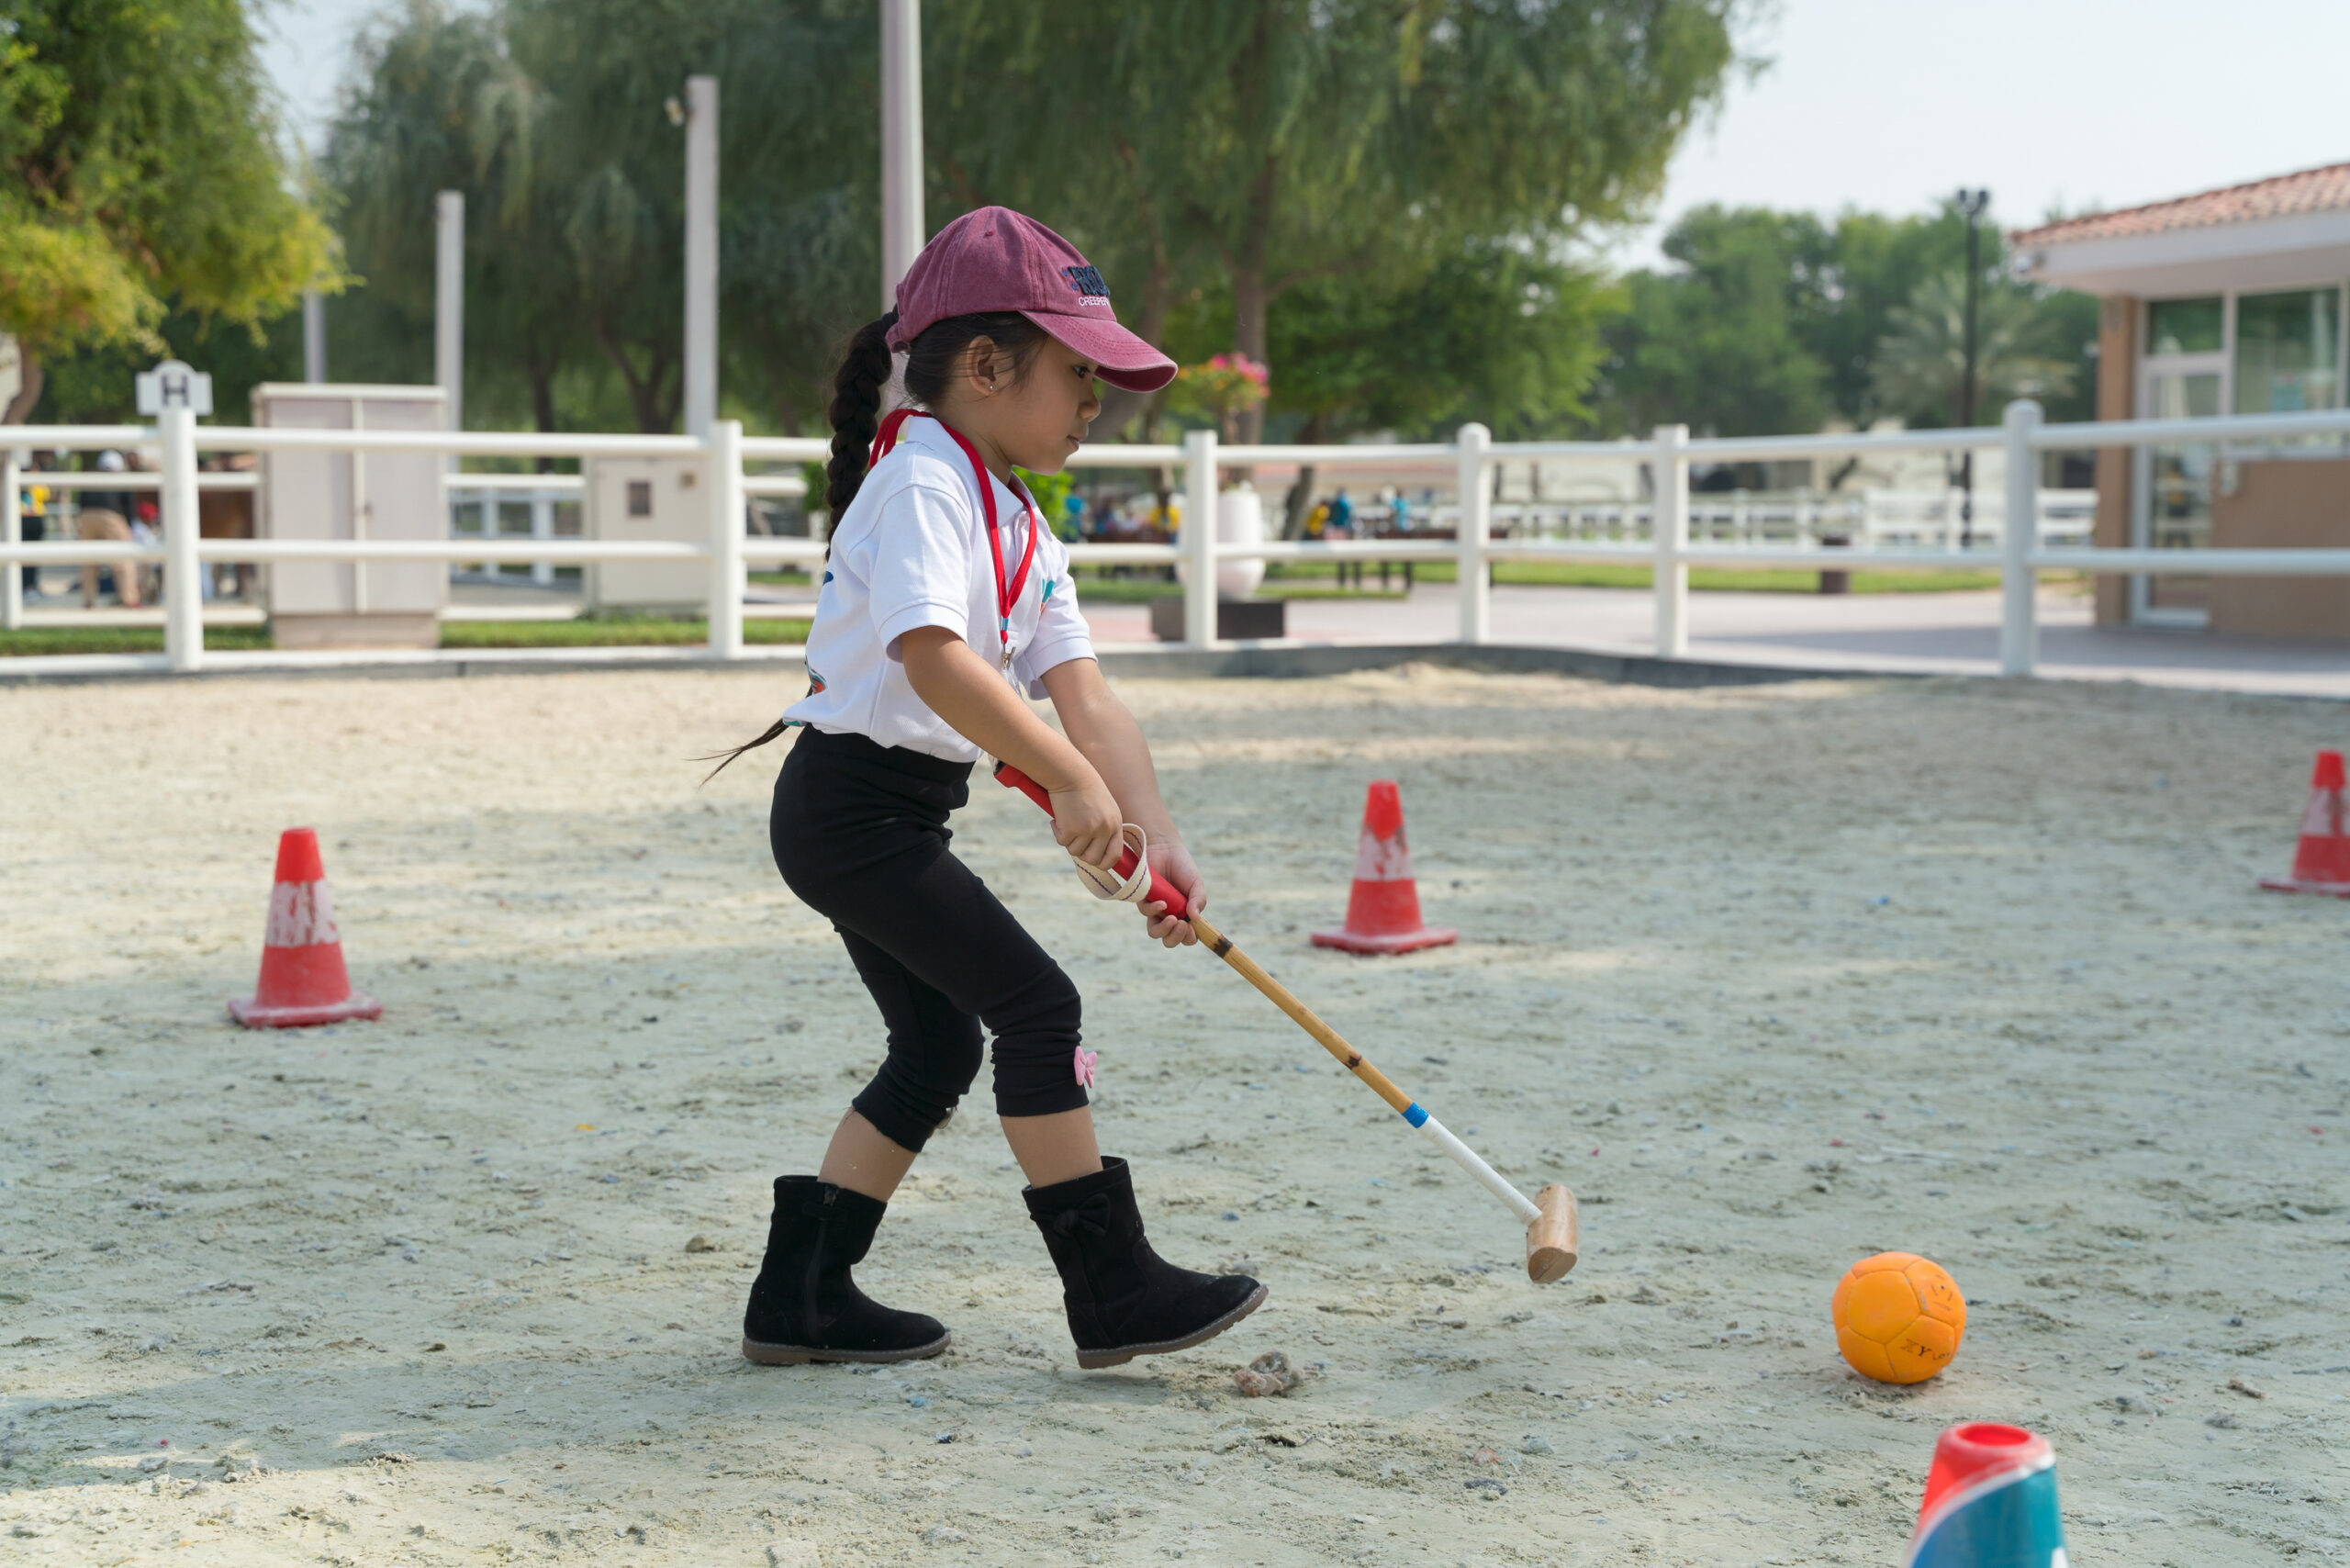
(995, 259)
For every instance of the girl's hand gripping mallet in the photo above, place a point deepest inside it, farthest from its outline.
(1550, 1220)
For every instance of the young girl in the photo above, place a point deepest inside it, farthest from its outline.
(946, 593)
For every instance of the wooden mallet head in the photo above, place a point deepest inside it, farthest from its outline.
(1551, 1236)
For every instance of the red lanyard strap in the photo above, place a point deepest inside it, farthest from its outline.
(1006, 596)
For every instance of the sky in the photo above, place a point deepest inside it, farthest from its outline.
(1889, 104)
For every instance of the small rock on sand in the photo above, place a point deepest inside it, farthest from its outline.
(1269, 1373)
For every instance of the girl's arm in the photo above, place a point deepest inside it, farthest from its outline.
(1105, 733)
(961, 688)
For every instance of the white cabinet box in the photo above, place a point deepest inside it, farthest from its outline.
(638, 498)
(348, 495)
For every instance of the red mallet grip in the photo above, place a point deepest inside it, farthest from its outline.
(1162, 891)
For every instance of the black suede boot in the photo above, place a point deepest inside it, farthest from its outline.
(1124, 1300)
(804, 1306)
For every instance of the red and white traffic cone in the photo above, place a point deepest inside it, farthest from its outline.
(2323, 864)
(302, 978)
(1383, 910)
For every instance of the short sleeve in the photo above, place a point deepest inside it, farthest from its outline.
(922, 562)
(1061, 633)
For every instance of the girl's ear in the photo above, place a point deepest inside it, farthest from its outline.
(981, 371)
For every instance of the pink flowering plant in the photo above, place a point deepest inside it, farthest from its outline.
(1222, 389)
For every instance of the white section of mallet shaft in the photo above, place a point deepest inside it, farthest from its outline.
(1468, 1159)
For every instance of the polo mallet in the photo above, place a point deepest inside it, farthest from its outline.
(1551, 1221)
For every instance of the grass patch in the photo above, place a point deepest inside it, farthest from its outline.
(632, 632)
(780, 579)
(32, 641)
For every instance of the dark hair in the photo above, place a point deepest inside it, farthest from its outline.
(932, 363)
(932, 360)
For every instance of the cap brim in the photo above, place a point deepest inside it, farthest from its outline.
(1119, 357)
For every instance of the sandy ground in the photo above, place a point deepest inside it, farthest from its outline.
(1774, 977)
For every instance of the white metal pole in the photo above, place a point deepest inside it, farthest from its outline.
(1476, 523)
(542, 527)
(1199, 538)
(314, 335)
(1672, 531)
(725, 449)
(701, 254)
(183, 591)
(902, 233)
(2018, 539)
(12, 533)
(449, 307)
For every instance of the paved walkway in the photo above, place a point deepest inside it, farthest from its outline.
(1906, 633)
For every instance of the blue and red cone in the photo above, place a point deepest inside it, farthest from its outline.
(1990, 1502)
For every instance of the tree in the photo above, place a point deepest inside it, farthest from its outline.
(438, 104)
(1282, 141)
(1771, 322)
(1921, 361)
(140, 172)
(1722, 345)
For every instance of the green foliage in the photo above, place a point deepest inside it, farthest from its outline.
(1214, 156)
(140, 174)
(1248, 148)
(1921, 361)
(1773, 322)
(1050, 492)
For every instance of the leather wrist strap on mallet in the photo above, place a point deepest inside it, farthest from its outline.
(1550, 1219)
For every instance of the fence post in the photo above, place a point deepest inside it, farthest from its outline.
(12, 533)
(1199, 538)
(2019, 541)
(183, 591)
(724, 445)
(1476, 522)
(1672, 532)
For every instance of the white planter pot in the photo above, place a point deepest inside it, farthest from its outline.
(1239, 519)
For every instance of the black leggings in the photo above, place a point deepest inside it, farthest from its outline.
(860, 835)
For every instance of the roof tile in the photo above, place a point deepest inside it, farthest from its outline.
(2310, 190)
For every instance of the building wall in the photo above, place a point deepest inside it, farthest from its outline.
(2117, 380)
(2282, 504)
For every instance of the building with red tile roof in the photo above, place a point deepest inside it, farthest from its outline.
(2229, 301)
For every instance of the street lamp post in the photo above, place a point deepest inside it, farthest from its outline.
(1972, 202)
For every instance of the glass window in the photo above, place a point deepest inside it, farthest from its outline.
(2184, 326)
(2286, 345)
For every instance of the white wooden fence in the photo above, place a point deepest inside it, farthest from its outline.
(1672, 546)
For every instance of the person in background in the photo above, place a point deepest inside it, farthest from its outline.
(1072, 518)
(33, 511)
(1317, 520)
(1401, 513)
(227, 514)
(1341, 523)
(145, 510)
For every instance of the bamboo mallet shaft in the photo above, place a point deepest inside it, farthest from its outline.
(1552, 1225)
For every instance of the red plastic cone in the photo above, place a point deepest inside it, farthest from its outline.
(1384, 911)
(1990, 1502)
(302, 977)
(2322, 865)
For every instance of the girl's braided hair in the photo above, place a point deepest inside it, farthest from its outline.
(932, 363)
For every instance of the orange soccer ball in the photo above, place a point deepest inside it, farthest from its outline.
(1899, 1317)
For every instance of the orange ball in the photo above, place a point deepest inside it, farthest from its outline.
(1899, 1317)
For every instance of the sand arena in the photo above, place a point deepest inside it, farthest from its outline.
(1773, 977)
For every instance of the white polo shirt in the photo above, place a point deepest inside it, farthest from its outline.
(912, 551)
